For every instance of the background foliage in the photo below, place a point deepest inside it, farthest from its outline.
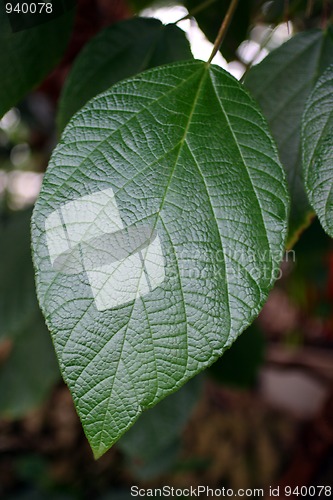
(42, 444)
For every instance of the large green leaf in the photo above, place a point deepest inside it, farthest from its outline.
(281, 84)
(182, 156)
(317, 142)
(117, 52)
(27, 56)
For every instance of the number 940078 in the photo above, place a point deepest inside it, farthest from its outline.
(29, 8)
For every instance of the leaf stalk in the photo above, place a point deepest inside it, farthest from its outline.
(223, 29)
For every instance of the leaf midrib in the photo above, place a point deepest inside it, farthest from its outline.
(246, 169)
(181, 144)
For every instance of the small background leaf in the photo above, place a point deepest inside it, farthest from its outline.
(184, 148)
(27, 56)
(30, 369)
(281, 84)
(18, 304)
(317, 143)
(117, 52)
(152, 451)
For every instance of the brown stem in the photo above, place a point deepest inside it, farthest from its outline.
(196, 10)
(223, 29)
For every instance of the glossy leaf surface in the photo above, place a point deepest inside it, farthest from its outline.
(184, 151)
